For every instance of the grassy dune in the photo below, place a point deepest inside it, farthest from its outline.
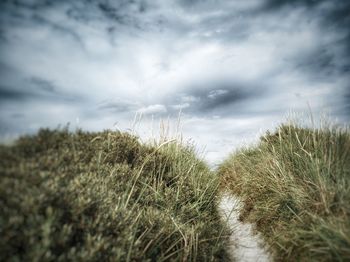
(295, 185)
(106, 197)
(79, 196)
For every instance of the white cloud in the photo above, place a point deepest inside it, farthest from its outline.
(152, 109)
(180, 106)
(216, 93)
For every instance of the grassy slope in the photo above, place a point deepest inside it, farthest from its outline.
(296, 188)
(104, 196)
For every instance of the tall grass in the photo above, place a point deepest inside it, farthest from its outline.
(295, 185)
(106, 197)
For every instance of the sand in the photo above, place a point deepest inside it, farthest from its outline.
(245, 244)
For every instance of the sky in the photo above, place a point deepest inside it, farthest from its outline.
(232, 69)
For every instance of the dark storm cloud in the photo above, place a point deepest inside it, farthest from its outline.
(347, 103)
(230, 22)
(46, 89)
(116, 12)
(41, 21)
(113, 13)
(219, 20)
(335, 11)
(215, 98)
(35, 5)
(334, 17)
(330, 57)
(318, 60)
(35, 89)
(12, 10)
(43, 84)
(18, 14)
(277, 4)
(9, 94)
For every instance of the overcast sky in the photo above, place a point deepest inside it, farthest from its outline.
(232, 67)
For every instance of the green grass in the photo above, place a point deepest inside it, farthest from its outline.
(295, 185)
(79, 196)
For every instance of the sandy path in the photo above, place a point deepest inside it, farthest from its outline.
(245, 245)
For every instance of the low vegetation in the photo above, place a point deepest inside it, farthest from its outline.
(295, 185)
(79, 196)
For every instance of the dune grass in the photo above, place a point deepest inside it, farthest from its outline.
(295, 185)
(79, 196)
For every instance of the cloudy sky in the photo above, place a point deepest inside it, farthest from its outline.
(234, 68)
